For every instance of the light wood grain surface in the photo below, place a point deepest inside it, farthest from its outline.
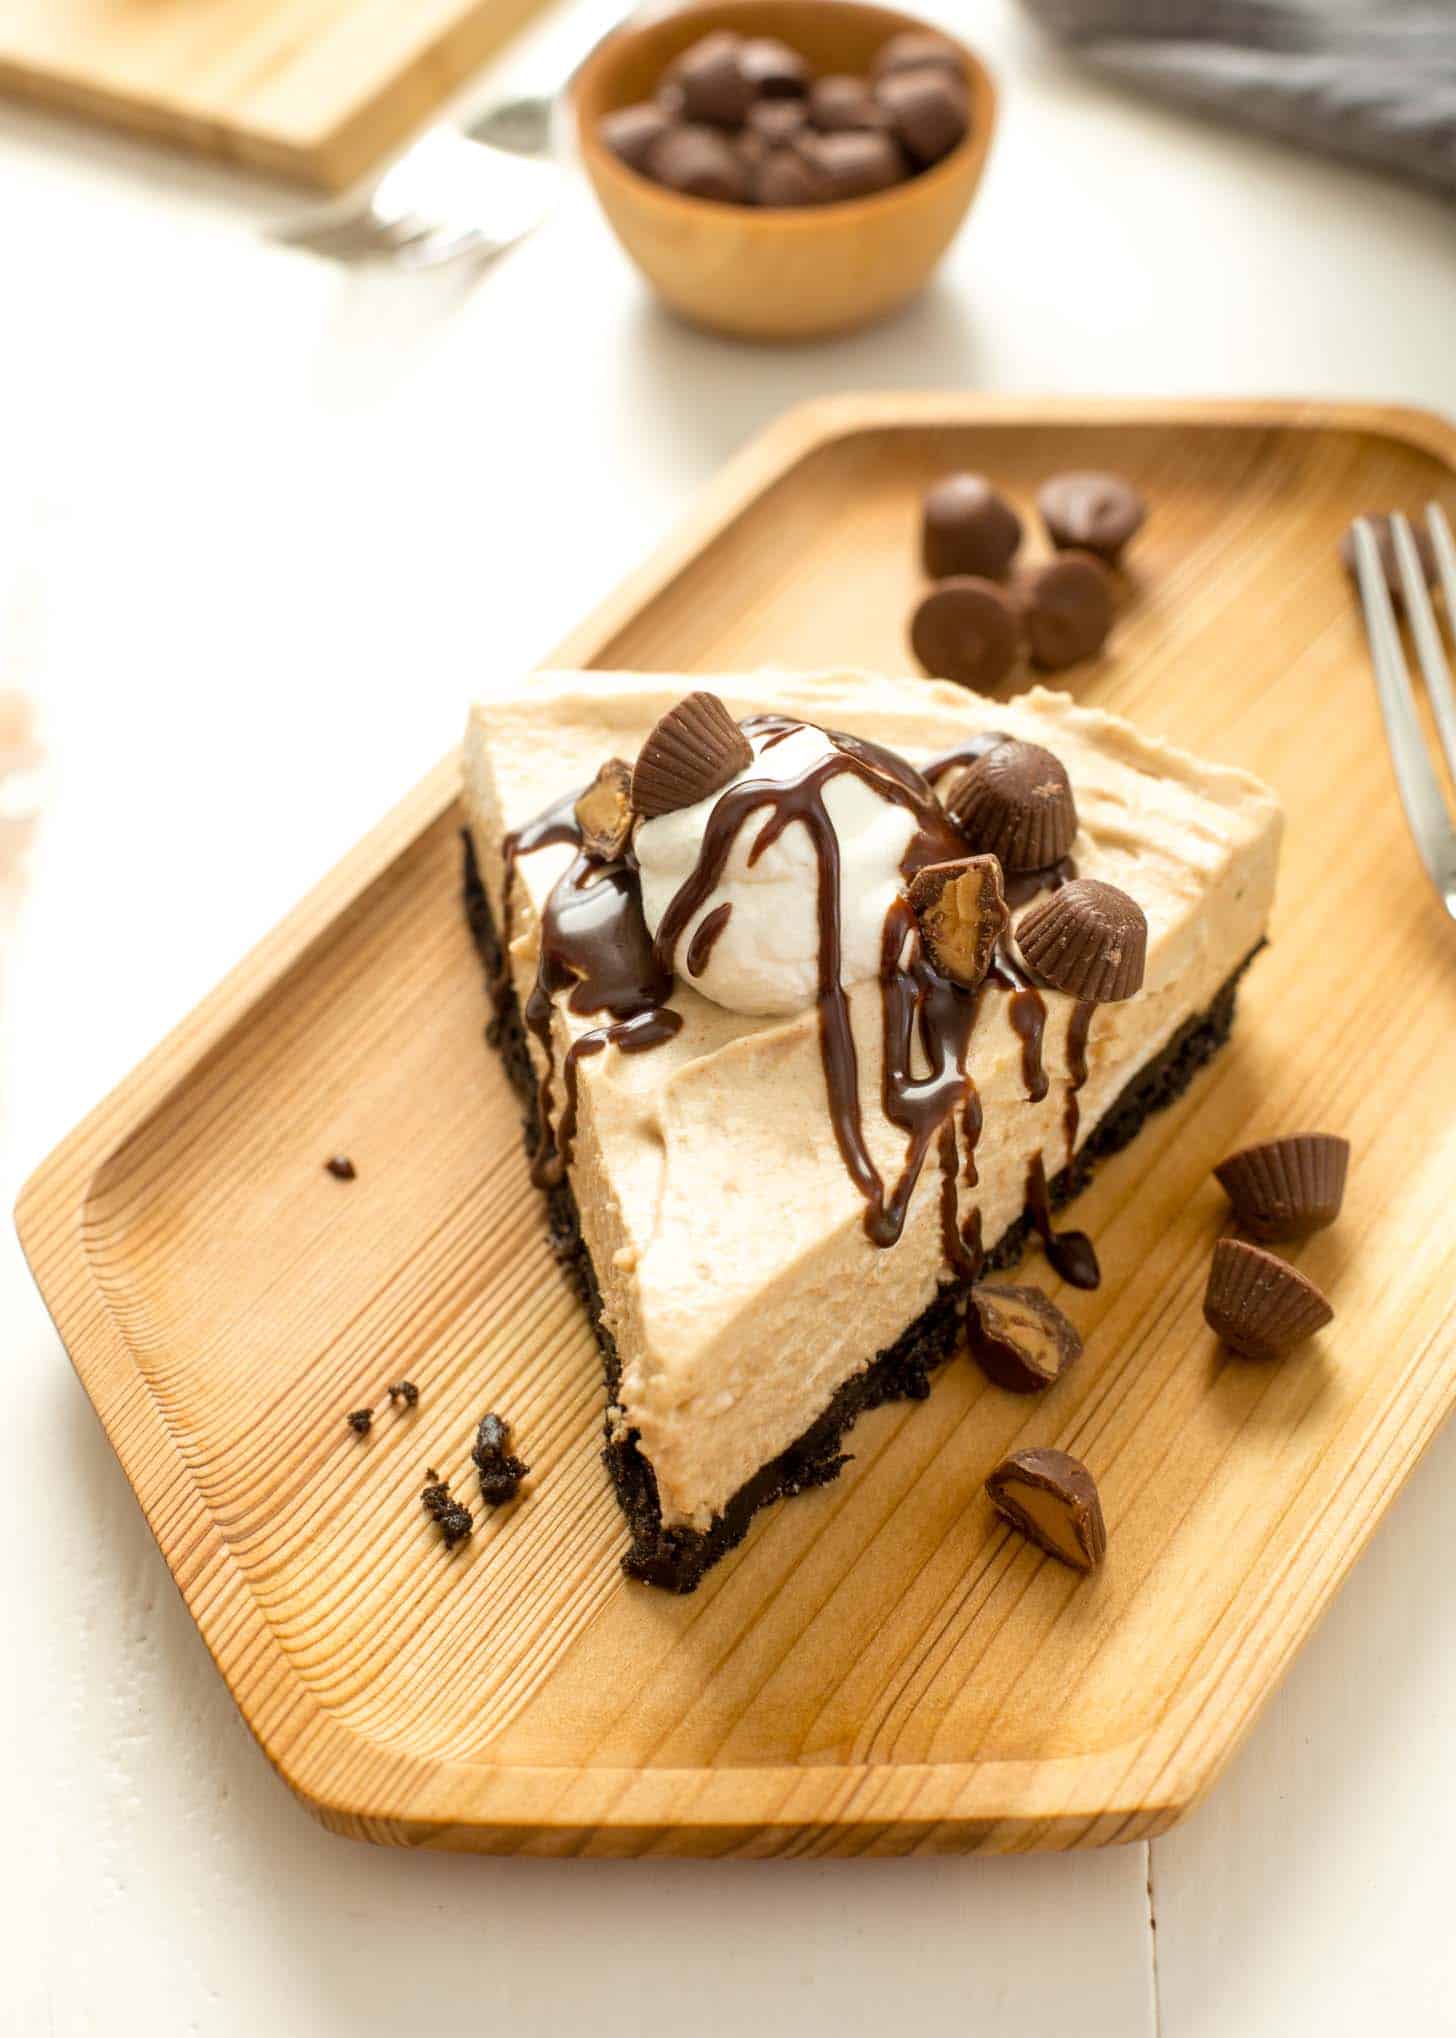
(1300, 1894)
(882, 1668)
(311, 89)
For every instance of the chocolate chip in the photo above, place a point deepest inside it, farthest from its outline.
(341, 1168)
(1258, 1304)
(1385, 546)
(451, 1518)
(929, 113)
(1088, 939)
(962, 915)
(404, 1392)
(785, 176)
(1019, 1337)
(360, 1421)
(501, 1472)
(1066, 608)
(1051, 1498)
(695, 749)
(967, 630)
(772, 69)
(604, 811)
(1091, 512)
(837, 104)
(632, 132)
(854, 165)
(699, 162)
(916, 50)
(711, 78)
(966, 527)
(1016, 803)
(1286, 1188)
(777, 120)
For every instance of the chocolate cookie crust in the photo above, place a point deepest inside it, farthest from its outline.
(677, 1558)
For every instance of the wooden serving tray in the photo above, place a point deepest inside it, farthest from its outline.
(316, 90)
(880, 1669)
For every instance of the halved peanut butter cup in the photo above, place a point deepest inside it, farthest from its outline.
(604, 811)
(962, 914)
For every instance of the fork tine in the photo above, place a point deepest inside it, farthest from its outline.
(1420, 794)
(1422, 617)
(1445, 546)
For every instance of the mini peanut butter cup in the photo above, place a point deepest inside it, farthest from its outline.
(962, 914)
(1066, 609)
(773, 70)
(929, 112)
(604, 811)
(633, 132)
(1259, 1305)
(919, 50)
(1051, 1498)
(1091, 512)
(700, 161)
(1016, 803)
(966, 526)
(1019, 1338)
(1286, 1188)
(710, 76)
(695, 750)
(968, 630)
(1088, 939)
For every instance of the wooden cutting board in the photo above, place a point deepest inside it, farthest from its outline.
(316, 90)
(880, 1668)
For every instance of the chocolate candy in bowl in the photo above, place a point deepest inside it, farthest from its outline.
(843, 237)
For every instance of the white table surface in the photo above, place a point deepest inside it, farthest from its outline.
(263, 526)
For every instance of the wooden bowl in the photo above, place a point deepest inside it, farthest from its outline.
(777, 274)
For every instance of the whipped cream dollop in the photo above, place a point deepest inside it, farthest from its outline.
(763, 957)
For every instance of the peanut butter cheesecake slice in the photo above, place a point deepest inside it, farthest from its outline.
(821, 992)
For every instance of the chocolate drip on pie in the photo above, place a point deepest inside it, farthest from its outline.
(705, 935)
(1078, 1027)
(918, 1002)
(595, 949)
(557, 824)
(1071, 1253)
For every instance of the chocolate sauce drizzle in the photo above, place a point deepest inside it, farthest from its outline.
(700, 948)
(917, 1001)
(558, 823)
(1078, 1027)
(596, 950)
(1071, 1253)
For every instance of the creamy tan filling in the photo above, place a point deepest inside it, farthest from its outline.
(736, 1275)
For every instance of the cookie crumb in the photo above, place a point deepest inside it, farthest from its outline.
(448, 1514)
(341, 1168)
(360, 1420)
(404, 1391)
(500, 1472)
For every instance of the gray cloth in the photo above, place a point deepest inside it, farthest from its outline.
(1373, 83)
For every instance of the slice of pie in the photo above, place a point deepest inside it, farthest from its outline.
(824, 995)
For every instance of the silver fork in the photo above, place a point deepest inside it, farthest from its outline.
(458, 194)
(1415, 774)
